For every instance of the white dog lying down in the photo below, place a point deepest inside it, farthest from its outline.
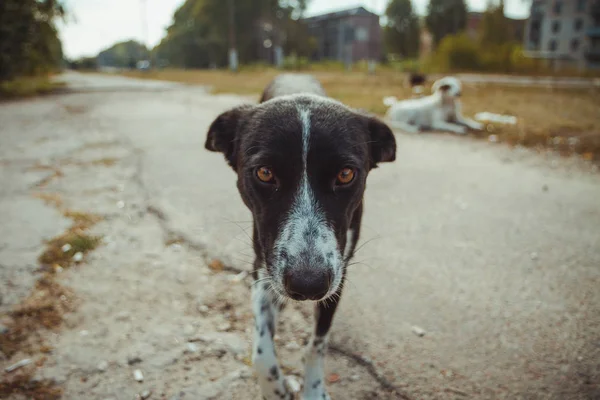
(439, 111)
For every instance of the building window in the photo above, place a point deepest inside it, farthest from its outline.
(553, 45)
(574, 44)
(362, 34)
(581, 5)
(557, 7)
(555, 26)
(534, 34)
(578, 24)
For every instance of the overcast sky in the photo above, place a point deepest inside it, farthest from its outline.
(97, 24)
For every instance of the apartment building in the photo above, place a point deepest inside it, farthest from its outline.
(566, 33)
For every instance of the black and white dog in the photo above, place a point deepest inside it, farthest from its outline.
(302, 161)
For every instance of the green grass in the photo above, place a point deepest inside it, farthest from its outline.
(28, 87)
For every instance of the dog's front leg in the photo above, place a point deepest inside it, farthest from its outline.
(271, 380)
(448, 126)
(314, 369)
(469, 123)
(406, 127)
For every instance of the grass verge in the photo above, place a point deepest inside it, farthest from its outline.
(565, 120)
(22, 384)
(28, 87)
(42, 309)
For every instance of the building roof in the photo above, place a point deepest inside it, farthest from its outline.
(340, 14)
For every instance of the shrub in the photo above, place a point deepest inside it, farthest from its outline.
(457, 52)
(406, 65)
(328, 65)
(460, 53)
(295, 63)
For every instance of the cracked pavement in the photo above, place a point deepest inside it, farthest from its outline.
(493, 252)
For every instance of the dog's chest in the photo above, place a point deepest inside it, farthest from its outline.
(448, 111)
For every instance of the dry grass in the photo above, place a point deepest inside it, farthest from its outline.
(43, 308)
(48, 300)
(52, 199)
(105, 162)
(22, 384)
(78, 242)
(82, 220)
(60, 251)
(546, 116)
(74, 109)
(56, 173)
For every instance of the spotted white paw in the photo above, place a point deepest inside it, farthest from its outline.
(316, 396)
(293, 384)
(278, 395)
(477, 126)
(315, 391)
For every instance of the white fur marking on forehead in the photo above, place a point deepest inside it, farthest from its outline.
(306, 202)
(305, 119)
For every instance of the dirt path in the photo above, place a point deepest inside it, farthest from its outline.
(493, 252)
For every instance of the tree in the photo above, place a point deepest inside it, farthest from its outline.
(122, 54)
(497, 38)
(445, 17)
(496, 29)
(199, 35)
(29, 42)
(402, 31)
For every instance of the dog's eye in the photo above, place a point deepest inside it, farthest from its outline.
(264, 174)
(345, 176)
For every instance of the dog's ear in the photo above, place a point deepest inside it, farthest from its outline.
(223, 133)
(382, 142)
(440, 86)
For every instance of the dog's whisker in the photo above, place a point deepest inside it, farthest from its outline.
(370, 228)
(361, 263)
(250, 256)
(348, 280)
(364, 244)
(252, 240)
(261, 280)
(277, 298)
(238, 222)
(244, 262)
(244, 252)
(243, 241)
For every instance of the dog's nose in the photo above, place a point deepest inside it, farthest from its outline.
(303, 283)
